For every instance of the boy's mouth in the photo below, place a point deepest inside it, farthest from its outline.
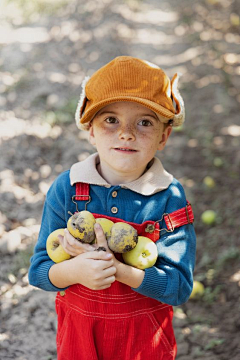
(125, 149)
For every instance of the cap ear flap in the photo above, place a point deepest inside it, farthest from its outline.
(81, 103)
(179, 116)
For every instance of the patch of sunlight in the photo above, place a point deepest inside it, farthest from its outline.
(192, 143)
(9, 79)
(232, 58)
(56, 77)
(187, 55)
(17, 290)
(218, 108)
(233, 130)
(11, 126)
(189, 183)
(12, 240)
(153, 37)
(146, 16)
(209, 79)
(24, 35)
(8, 182)
(236, 277)
(4, 337)
(178, 313)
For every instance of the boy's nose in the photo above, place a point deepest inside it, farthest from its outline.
(127, 133)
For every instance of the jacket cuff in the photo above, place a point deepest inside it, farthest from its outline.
(154, 284)
(43, 277)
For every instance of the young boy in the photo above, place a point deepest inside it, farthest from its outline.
(107, 309)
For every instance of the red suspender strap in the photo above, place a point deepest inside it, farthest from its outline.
(82, 191)
(179, 217)
(173, 220)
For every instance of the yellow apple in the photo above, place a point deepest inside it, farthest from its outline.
(209, 217)
(198, 290)
(144, 255)
(54, 248)
(81, 226)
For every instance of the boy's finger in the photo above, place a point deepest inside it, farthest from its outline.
(101, 239)
(75, 244)
(98, 255)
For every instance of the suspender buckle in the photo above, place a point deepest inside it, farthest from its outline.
(187, 213)
(170, 222)
(73, 200)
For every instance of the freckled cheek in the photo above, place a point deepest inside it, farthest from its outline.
(102, 131)
(149, 141)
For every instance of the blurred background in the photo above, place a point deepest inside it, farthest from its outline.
(46, 49)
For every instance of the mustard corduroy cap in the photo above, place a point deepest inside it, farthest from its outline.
(129, 79)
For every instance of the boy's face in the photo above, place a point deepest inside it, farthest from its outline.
(127, 136)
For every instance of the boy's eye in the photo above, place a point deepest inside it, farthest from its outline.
(145, 123)
(111, 120)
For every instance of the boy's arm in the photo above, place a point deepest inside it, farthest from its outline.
(93, 269)
(170, 280)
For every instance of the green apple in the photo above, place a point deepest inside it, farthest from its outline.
(209, 217)
(209, 182)
(218, 162)
(143, 256)
(197, 291)
(54, 248)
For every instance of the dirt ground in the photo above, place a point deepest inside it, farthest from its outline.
(46, 50)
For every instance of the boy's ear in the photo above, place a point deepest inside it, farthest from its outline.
(165, 135)
(91, 136)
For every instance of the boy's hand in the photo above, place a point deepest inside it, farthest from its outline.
(72, 246)
(102, 242)
(96, 269)
(93, 269)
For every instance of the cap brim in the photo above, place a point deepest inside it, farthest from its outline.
(89, 114)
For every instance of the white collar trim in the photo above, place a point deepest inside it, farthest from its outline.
(155, 179)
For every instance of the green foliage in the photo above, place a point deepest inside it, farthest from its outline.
(21, 261)
(29, 8)
(211, 294)
(61, 116)
(213, 343)
(228, 255)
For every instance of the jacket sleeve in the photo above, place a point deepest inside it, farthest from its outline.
(171, 279)
(53, 218)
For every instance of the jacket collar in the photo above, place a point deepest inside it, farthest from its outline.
(155, 179)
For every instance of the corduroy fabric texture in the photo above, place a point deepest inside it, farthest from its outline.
(129, 79)
(134, 327)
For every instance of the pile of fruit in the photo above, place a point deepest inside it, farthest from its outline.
(137, 251)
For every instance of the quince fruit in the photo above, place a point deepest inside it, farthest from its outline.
(81, 226)
(123, 238)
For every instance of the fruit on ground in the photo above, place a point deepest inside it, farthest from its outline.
(106, 225)
(209, 182)
(81, 226)
(208, 217)
(144, 255)
(123, 238)
(198, 290)
(54, 248)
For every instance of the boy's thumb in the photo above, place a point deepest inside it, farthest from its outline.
(101, 238)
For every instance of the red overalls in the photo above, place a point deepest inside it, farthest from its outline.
(115, 323)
